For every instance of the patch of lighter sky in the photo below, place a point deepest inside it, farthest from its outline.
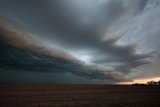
(144, 27)
(140, 81)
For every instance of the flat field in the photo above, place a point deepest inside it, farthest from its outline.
(79, 96)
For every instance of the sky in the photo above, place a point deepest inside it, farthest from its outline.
(79, 41)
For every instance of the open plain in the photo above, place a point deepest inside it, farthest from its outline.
(79, 96)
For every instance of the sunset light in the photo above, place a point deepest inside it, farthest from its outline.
(140, 81)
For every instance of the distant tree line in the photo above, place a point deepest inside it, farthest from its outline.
(149, 83)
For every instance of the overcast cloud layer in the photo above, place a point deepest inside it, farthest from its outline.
(79, 41)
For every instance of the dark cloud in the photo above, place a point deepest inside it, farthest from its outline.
(17, 53)
(16, 37)
(91, 30)
(17, 59)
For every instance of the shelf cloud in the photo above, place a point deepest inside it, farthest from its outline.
(93, 40)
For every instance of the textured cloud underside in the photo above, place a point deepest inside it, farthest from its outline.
(104, 39)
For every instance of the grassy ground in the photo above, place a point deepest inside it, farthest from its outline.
(79, 96)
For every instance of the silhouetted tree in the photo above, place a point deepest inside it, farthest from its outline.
(150, 83)
(159, 82)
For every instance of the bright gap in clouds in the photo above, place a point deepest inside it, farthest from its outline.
(85, 58)
(140, 81)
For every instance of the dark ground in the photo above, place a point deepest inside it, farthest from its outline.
(79, 96)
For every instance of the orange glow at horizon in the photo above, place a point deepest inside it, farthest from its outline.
(140, 81)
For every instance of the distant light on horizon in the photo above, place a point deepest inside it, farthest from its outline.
(140, 81)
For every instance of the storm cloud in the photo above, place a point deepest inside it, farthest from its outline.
(87, 38)
(20, 54)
